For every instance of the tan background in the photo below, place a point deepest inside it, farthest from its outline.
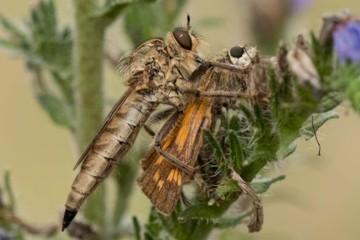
(320, 199)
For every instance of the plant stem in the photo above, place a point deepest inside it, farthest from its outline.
(88, 89)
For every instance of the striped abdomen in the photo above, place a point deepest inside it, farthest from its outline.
(110, 145)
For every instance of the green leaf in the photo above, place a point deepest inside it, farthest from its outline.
(12, 29)
(235, 123)
(314, 122)
(9, 192)
(330, 101)
(247, 112)
(154, 225)
(322, 56)
(287, 151)
(139, 29)
(147, 19)
(264, 152)
(227, 187)
(219, 154)
(9, 45)
(263, 124)
(261, 185)
(136, 228)
(236, 151)
(232, 222)
(17, 41)
(56, 109)
(112, 9)
(204, 212)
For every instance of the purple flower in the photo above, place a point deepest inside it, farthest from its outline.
(5, 235)
(297, 5)
(347, 41)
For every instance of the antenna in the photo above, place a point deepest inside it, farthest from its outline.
(188, 21)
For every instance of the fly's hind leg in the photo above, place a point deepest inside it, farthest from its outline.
(157, 117)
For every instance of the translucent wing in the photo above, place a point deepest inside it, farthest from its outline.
(133, 68)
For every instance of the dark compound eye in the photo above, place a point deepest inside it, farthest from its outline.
(236, 52)
(183, 38)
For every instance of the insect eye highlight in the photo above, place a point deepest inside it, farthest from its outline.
(183, 38)
(236, 52)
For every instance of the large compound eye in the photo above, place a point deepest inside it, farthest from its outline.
(183, 38)
(236, 52)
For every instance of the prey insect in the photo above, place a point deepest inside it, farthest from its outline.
(156, 73)
(172, 161)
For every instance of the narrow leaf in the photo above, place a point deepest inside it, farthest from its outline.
(219, 154)
(247, 112)
(314, 122)
(136, 228)
(12, 28)
(112, 9)
(137, 29)
(235, 123)
(154, 226)
(232, 222)
(9, 192)
(330, 101)
(263, 184)
(287, 151)
(236, 149)
(205, 212)
(55, 108)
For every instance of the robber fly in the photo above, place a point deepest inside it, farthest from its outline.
(171, 162)
(156, 72)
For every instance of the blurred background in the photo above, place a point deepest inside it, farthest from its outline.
(318, 200)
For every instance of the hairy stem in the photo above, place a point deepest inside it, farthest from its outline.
(88, 89)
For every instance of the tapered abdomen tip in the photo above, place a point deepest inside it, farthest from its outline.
(69, 215)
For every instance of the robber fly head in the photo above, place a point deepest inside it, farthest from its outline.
(242, 56)
(182, 39)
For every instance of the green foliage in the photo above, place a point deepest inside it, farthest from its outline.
(261, 185)
(112, 9)
(206, 213)
(346, 79)
(160, 18)
(137, 228)
(322, 56)
(47, 51)
(237, 155)
(56, 109)
(218, 151)
(314, 122)
(9, 192)
(8, 209)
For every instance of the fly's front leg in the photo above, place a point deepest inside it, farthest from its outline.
(159, 138)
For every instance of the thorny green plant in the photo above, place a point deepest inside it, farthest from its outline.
(246, 140)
